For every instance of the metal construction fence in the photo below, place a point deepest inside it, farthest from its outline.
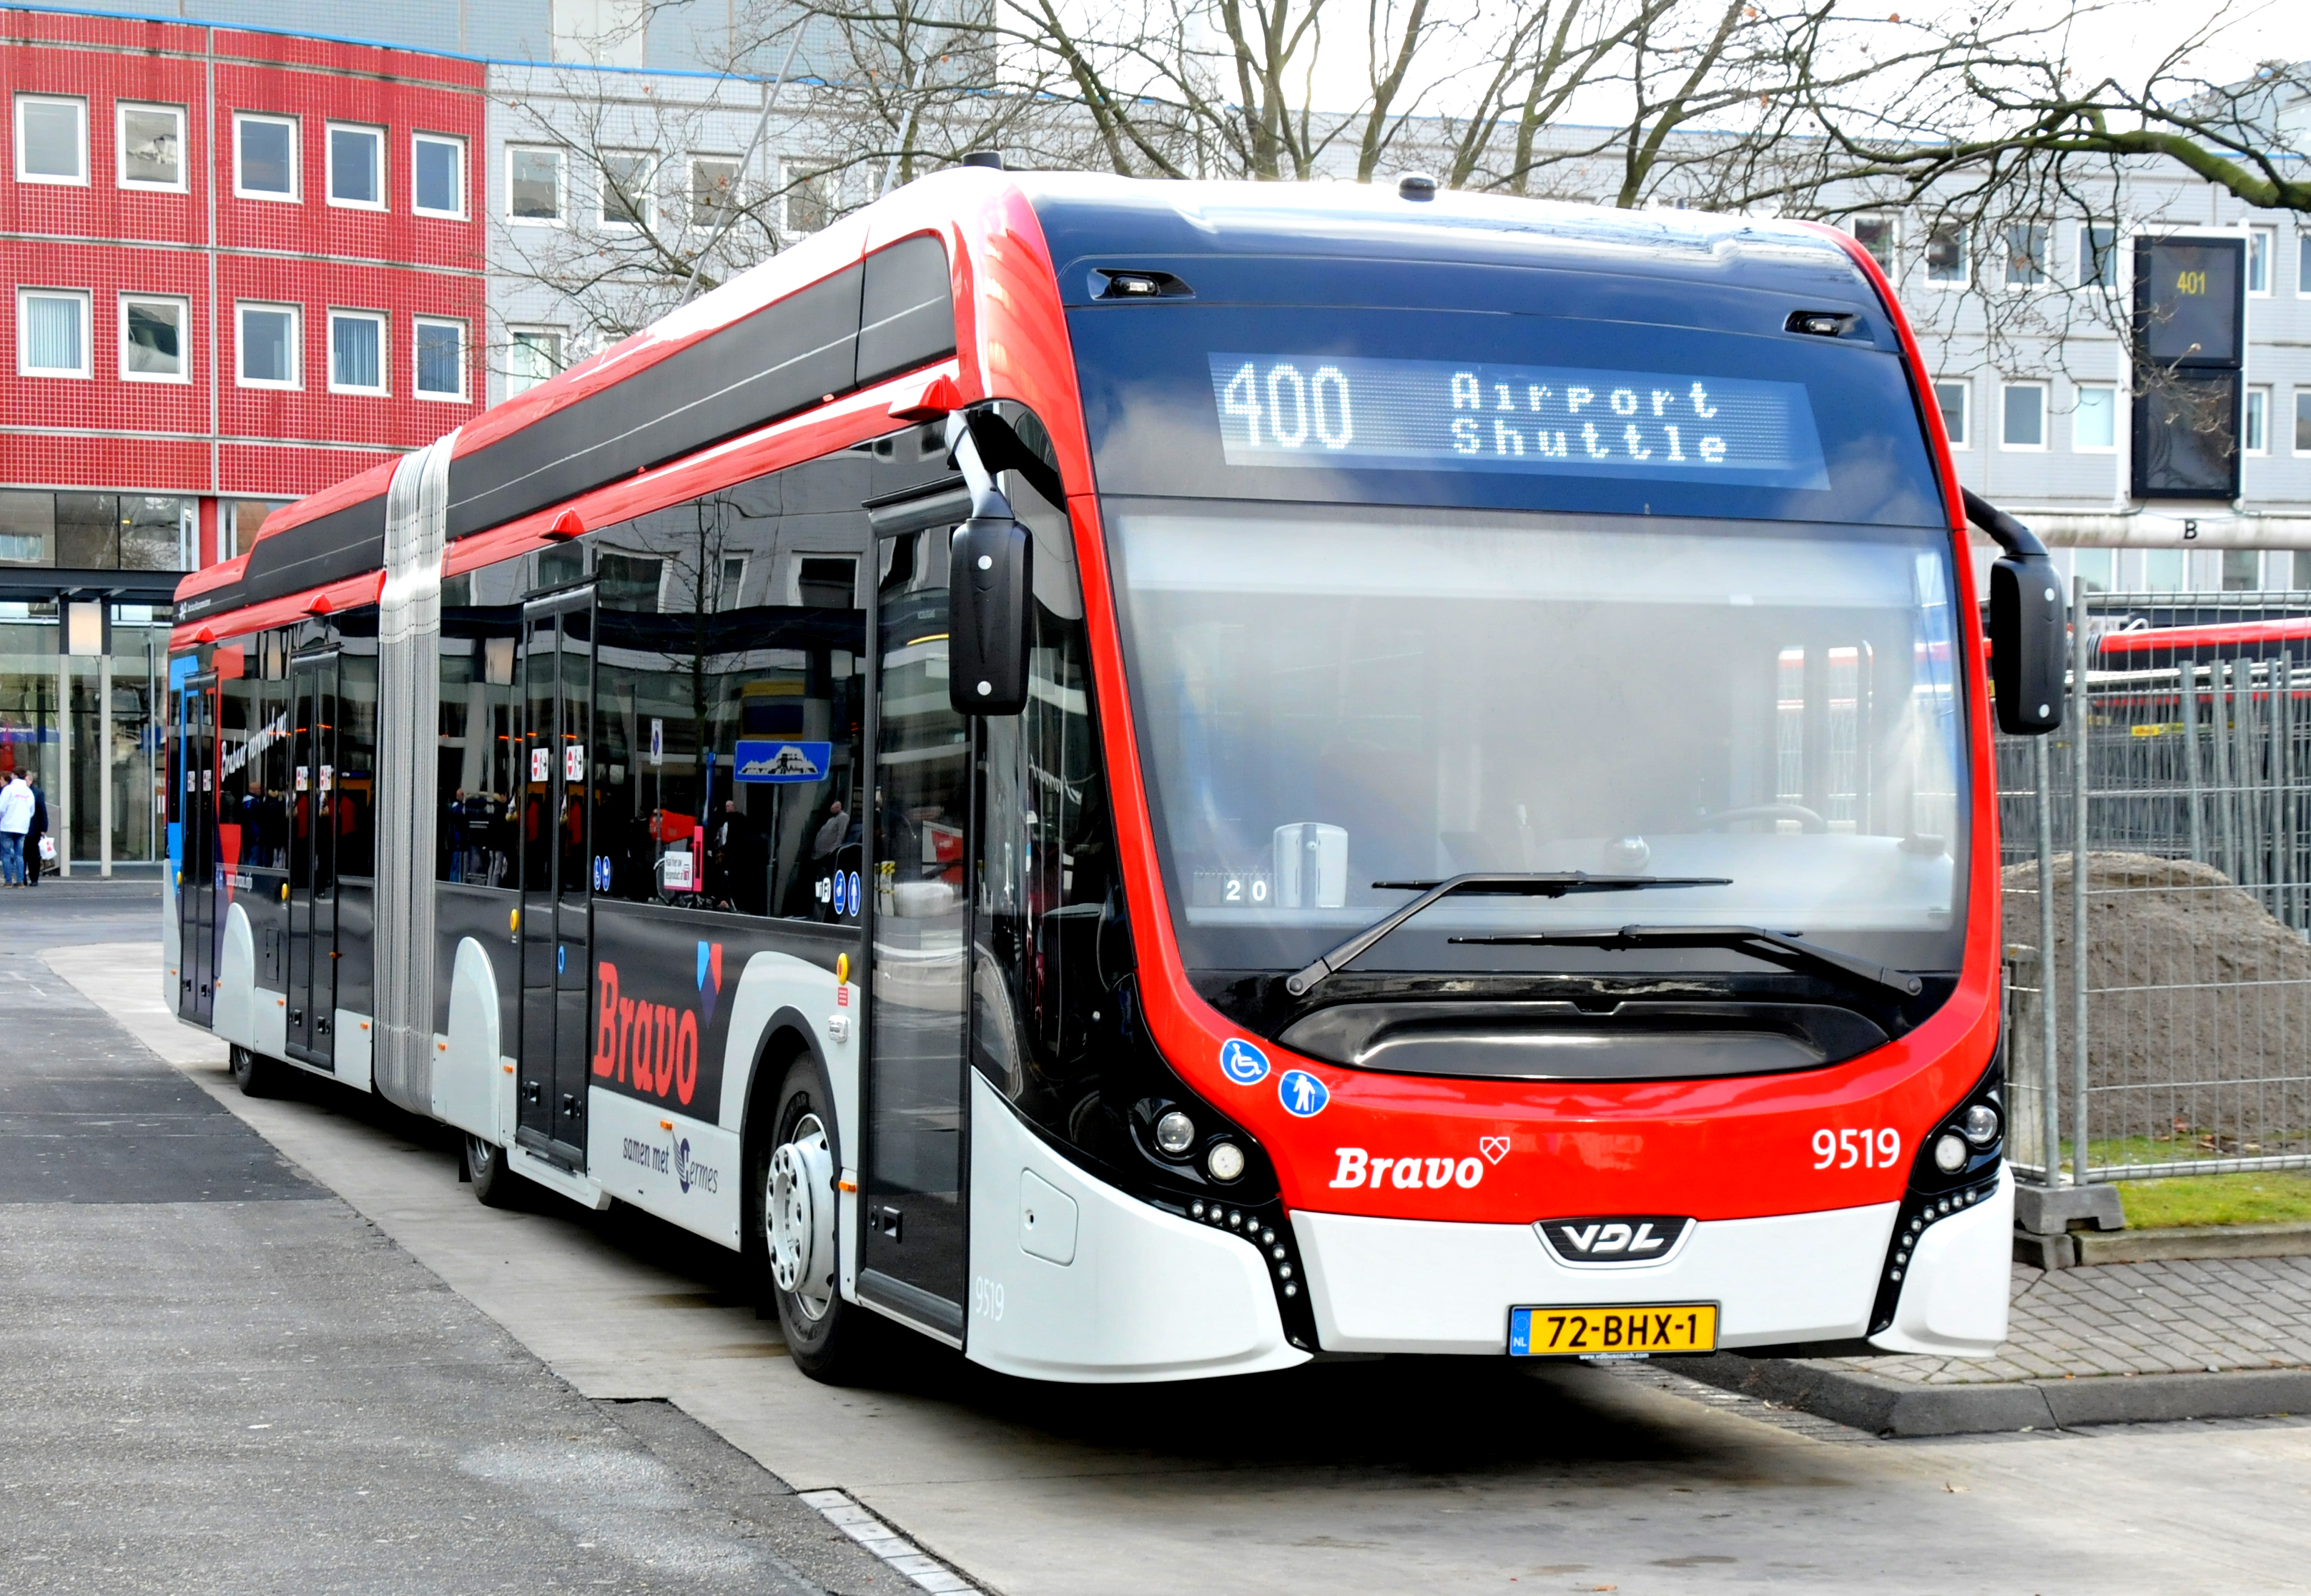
(2159, 1018)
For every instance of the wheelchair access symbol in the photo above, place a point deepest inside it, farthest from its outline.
(1242, 1063)
(1302, 1093)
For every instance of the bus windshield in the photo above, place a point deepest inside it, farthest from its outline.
(1330, 697)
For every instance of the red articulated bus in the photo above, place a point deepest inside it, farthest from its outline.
(1152, 780)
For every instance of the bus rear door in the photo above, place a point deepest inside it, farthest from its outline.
(556, 882)
(313, 858)
(196, 888)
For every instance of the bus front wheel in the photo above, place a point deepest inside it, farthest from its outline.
(790, 1188)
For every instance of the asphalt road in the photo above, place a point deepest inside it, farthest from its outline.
(548, 1397)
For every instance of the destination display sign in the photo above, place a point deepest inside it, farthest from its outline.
(1363, 413)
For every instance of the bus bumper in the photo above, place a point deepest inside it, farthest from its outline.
(1074, 1280)
(1415, 1286)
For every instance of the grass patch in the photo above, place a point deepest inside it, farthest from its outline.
(2273, 1198)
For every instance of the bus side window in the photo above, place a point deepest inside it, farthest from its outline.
(475, 753)
(1046, 863)
(728, 698)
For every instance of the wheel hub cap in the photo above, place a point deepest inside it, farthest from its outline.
(799, 1215)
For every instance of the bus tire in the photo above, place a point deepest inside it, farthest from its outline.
(255, 1075)
(486, 1170)
(791, 1214)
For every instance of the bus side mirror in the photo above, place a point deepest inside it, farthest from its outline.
(990, 597)
(2027, 644)
(2026, 641)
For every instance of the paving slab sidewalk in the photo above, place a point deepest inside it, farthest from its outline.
(2104, 1344)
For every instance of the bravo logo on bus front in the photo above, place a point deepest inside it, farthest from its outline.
(665, 1053)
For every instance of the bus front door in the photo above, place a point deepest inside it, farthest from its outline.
(556, 882)
(914, 1256)
(196, 882)
(313, 858)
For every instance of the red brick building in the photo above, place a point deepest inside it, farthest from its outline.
(238, 266)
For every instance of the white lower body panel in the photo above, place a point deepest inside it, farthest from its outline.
(1418, 1285)
(1956, 1289)
(1141, 1294)
(684, 1170)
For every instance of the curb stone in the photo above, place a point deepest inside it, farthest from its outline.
(1899, 1409)
(2194, 1240)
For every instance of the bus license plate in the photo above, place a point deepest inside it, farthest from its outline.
(1588, 1332)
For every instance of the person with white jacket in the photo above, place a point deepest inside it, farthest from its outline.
(15, 820)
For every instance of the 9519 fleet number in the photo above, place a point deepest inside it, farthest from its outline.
(1880, 1148)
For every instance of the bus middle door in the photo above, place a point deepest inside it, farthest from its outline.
(555, 821)
(313, 858)
(197, 885)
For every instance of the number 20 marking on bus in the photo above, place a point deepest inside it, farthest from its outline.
(1871, 1149)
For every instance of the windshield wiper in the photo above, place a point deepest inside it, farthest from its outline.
(1754, 940)
(1520, 884)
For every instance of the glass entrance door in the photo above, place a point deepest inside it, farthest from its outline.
(313, 834)
(915, 1248)
(556, 812)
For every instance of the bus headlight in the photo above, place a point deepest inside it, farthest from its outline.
(1176, 1133)
(1949, 1153)
(1980, 1125)
(1225, 1162)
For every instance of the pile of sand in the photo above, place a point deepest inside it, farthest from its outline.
(2198, 1007)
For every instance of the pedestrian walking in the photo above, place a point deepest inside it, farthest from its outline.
(36, 839)
(15, 820)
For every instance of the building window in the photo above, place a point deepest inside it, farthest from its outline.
(2023, 423)
(625, 188)
(2260, 241)
(2279, 569)
(239, 521)
(264, 157)
(809, 199)
(357, 167)
(2255, 426)
(2162, 571)
(51, 332)
(438, 168)
(533, 354)
(152, 339)
(440, 358)
(534, 187)
(51, 139)
(2303, 261)
(1949, 393)
(2094, 425)
(151, 145)
(2026, 256)
(2303, 420)
(1876, 234)
(2097, 256)
(2097, 567)
(265, 339)
(714, 185)
(356, 352)
(1945, 254)
(2242, 570)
